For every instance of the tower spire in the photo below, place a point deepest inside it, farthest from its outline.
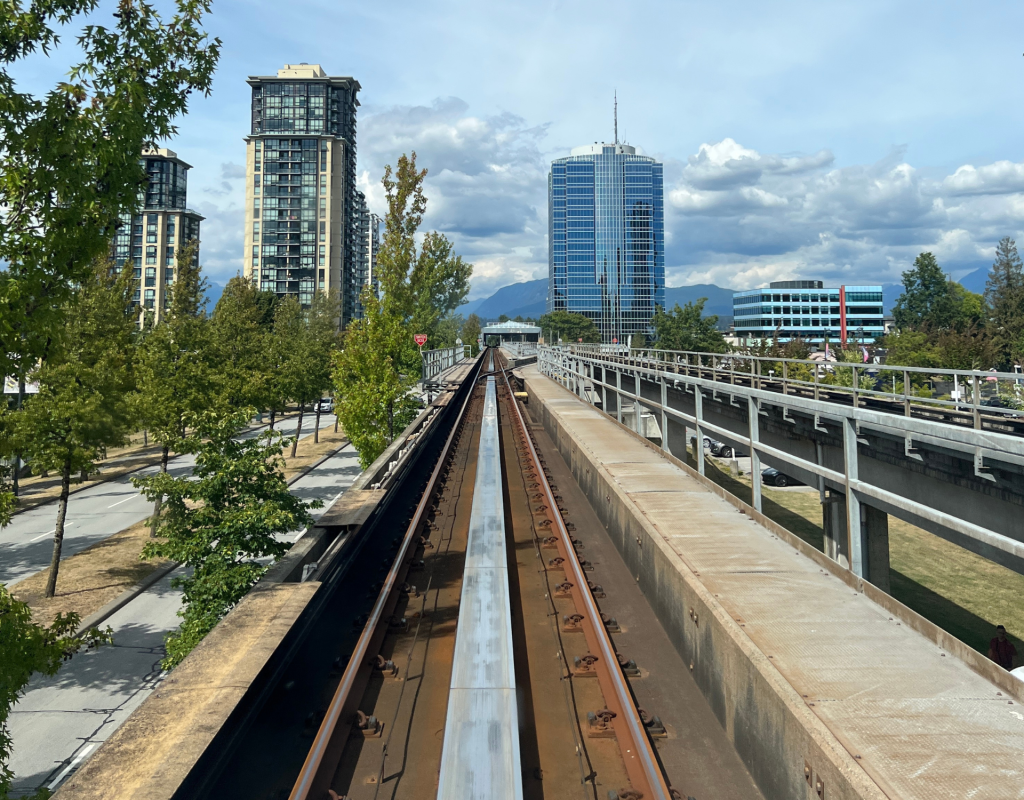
(616, 116)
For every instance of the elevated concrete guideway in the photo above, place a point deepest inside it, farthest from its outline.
(964, 483)
(826, 686)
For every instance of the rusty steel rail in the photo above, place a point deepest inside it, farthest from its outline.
(638, 755)
(324, 756)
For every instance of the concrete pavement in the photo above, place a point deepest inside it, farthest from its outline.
(62, 720)
(26, 545)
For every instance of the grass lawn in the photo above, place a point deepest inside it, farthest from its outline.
(961, 592)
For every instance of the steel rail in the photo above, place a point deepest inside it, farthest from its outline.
(650, 770)
(307, 780)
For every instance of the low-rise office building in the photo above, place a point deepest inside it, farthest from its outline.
(810, 311)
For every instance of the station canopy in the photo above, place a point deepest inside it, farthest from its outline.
(512, 331)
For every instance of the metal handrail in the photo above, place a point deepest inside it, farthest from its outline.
(760, 371)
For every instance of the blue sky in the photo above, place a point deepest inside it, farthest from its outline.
(802, 139)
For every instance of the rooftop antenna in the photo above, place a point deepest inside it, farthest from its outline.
(616, 116)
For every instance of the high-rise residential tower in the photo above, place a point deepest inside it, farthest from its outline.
(606, 235)
(150, 239)
(302, 217)
(369, 244)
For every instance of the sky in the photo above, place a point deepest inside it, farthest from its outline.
(800, 139)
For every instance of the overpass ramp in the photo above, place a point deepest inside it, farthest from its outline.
(826, 686)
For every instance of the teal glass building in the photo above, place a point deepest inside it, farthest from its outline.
(811, 311)
(606, 238)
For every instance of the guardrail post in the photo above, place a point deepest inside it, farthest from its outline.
(853, 512)
(753, 434)
(906, 392)
(975, 400)
(636, 403)
(698, 413)
(664, 415)
(618, 395)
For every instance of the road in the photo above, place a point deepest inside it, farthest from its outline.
(62, 720)
(26, 545)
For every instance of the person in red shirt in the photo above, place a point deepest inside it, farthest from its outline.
(1001, 649)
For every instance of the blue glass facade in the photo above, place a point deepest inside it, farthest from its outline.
(810, 311)
(606, 238)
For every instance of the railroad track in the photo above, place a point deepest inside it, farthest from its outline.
(485, 668)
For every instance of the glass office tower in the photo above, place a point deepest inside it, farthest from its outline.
(302, 227)
(606, 238)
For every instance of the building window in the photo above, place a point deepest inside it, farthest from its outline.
(150, 276)
(150, 298)
(323, 184)
(323, 207)
(169, 257)
(168, 276)
(256, 228)
(151, 255)
(323, 231)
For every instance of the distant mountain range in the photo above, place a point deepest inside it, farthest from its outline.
(528, 299)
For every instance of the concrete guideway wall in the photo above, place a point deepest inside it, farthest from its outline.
(806, 666)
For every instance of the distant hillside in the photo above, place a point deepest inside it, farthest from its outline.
(518, 299)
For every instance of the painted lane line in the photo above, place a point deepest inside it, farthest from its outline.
(74, 763)
(50, 533)
(125, 500)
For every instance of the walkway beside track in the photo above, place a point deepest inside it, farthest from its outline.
(812, 680)
(480, 755)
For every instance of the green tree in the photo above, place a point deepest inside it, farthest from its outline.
(175, 376)
(69, 159)
(688, 329)
(925, 290)
(82, 406)
(240, 334)
(471, 332)
(1004, 292)
(569, 327)
(322, 321)
(222, 521)
(930, 300)
(439, 283)
(27, 648)
(379, 362)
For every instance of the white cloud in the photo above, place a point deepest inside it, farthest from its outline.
(741, 218)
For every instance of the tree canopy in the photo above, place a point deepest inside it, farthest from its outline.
(569, 327)
(688, 329)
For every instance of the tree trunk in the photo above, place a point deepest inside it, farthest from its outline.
(17, 456)
(273, 414)
(58, 534)
(145, 438)
(336, 420)
(158, 503)
(298, 431)
(316, 429)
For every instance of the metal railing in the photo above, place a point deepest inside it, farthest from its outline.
(972, 392)
(701, 375)
(521, 349)
(437, 361)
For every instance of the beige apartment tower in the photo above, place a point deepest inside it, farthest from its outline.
(150, 239)
(302, 219)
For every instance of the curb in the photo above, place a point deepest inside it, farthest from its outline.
(124, 598)
(128, 595)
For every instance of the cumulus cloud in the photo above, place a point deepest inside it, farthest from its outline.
(486, 184)
(741, 218)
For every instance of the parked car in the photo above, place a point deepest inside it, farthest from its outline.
(773, 477)
(326, 405)
(723, 450)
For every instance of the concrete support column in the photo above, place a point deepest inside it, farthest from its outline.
(853, 515)
(753, 433)
(664, 415)
(604, 390)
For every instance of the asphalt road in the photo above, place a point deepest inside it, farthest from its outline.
(62, 720)
(26, 545)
